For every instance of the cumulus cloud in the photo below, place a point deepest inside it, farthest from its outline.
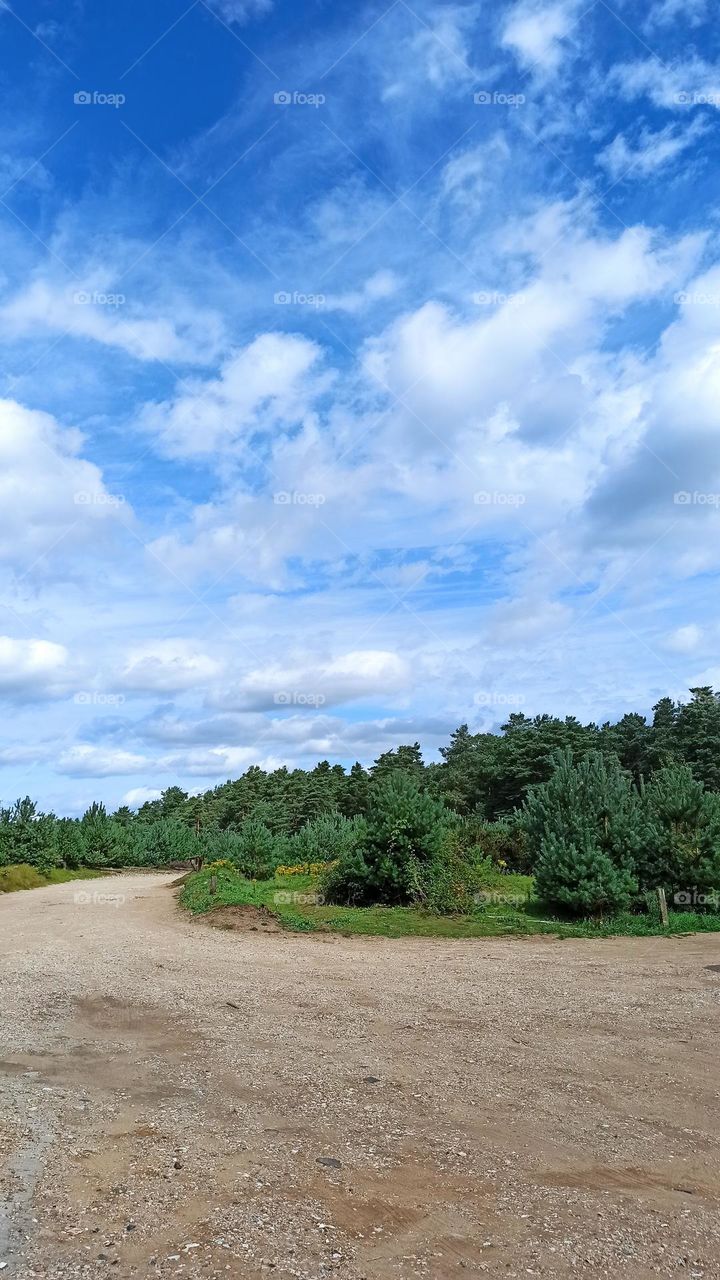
(536, 31)
(685, 639)
(346, 678)
(97, 311)
(381, 285)
(50, 497)
(168, 666)
(263, 387)
(85, 760)
(33, 669)
(137, 796)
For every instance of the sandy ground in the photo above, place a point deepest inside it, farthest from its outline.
(184, 1101)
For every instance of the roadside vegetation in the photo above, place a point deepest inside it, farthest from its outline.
(21, 876)
(549, 825)
(298, 905)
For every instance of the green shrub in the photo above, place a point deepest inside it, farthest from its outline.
(586, 828)
(682, 854)
(327, 838)
(21, 876)
(403, 837)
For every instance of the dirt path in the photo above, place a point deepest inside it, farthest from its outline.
(181, 1101)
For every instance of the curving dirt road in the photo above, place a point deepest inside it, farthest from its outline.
(182, 1101)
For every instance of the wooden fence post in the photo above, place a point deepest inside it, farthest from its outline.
(663, 907)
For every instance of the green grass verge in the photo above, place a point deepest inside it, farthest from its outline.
(21, 876)
(498, 916)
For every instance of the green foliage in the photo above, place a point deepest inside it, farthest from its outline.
(586, 828)
(403, 839)
(328, 838)
(22, 876)
(498, 918)
(683, 852)
(646, 810)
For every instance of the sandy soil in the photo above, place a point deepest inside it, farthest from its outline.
(184, 1101)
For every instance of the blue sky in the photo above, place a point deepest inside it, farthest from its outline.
(361, 373)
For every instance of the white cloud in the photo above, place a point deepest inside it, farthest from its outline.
(168, 666)
(652, 150)
(263, 387)
(97, 311)
(359, 674)
(678, 86)
(377, 288)
(33, 668)
(140, 795)
(685, 639)
(89, 761)
(668, 12)
(241, 11)
(438, 55)
(535, 31)
(50, 498)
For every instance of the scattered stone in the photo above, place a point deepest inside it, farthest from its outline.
(329, 1161)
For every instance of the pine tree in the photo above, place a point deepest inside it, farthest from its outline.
(405, 828)
(69, 843)
(586, 828)
(353, 800)
(683, 855)
(698, 735)
(407, 759)
(630, 741)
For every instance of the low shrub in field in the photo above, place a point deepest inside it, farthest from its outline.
(401, 851)
(21, 876)
(504, 842)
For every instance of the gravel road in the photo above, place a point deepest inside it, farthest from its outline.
(177, 1100)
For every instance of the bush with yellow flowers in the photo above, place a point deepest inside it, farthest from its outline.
(305, 869)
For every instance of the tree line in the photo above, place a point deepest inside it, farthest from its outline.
(599, 812)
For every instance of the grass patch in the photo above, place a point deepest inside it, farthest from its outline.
(508, 909)
(21, 876)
